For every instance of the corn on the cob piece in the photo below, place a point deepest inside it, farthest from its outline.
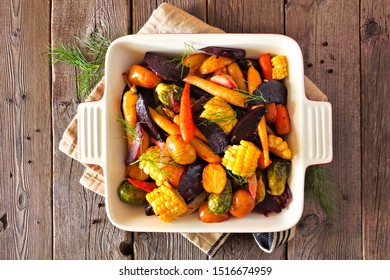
(167, 203)
(278, 147)
(279, 67)
(220, 112)
(241, 159)
(153, 161)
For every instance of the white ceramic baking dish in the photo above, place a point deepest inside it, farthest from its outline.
(101, 139)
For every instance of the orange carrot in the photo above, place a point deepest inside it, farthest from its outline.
(270, 115)
(164, 123)
(214, 63)
(229, 95)
(141, 76)
(197, 132)
(264, 160)
(237, 75)
(204, 151)
(266, 66)
(254, 79)
(282, 122)
(187, 126)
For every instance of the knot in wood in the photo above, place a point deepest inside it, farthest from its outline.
(309, 224)
(371, 29)
(3, 222)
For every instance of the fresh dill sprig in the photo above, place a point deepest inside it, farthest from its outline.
(239, 179)
(89, 63)
(179, 59)
(129, 129)
(319, 183)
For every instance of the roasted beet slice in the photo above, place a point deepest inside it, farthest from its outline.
(272, 91)
(165, 67)
(216, 137)
(135, 147)
(268, 205)
(246, 128)
(144, 117)
(197, 108)
(190, 184)
(285, 197)
(224, 51)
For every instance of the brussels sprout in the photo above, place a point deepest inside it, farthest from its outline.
(220, 203)
(277, 174)
(130, 194)
(169, 95)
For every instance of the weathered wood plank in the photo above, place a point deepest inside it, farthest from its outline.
(164, 245)
(81, 227)
(375, 73)
(328, 33)
(25, 141)
(236, 16)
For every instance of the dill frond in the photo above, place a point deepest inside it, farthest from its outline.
(179, 59)
(89, 64)
(129, 129)
(319, 183)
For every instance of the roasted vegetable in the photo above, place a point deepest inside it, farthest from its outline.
(270, 115)
(214, 178)
(224, 79)
(165, 124)
(216, 138)
(145, 118)
(242, 203)
(278, 147)
(229, 95)
(261, 187)
(133, 171)
(220, 203)
(264, 160)
(268, 205)
(246, 128)
(235, 72)
(187, 126)
(214, 63)
(271, 91)
(277, 174)
(266, 66)
(254, 79)
(190, 184)
(197, 132)
(206, 216)
(241, 159)
(282, 122)
(160, 166)
(195, 203)
(279, 67)
(169, 95)
(167, 203)
(194, 61)
(233, 53)
(204, 151)
(131, 194)
(181, 151)
(218, 111)
(146, 186)
(141, 76)
(165, 67)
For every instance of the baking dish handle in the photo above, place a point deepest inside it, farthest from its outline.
(90, 132)
(317, 140)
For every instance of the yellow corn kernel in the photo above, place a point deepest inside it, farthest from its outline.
(153, 161)
(279, 67)
(167, 203)
(278, 147)
(220, 112)
(241, 159)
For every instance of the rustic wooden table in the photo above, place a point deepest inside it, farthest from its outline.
(46, 214)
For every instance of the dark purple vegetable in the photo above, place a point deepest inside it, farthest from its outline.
(284, 198)
(197, 108)
(246, 128)
(268, 205)
(215, 136)
(144, 117)
(224, 51)
(135, 146)
(149, 210)
(166, 68)
(190, 184)
(272, 91)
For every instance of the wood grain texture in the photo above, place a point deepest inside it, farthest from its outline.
(328, 33)
(375, 73)
(25, 141)
(81, 228)
(239, 16)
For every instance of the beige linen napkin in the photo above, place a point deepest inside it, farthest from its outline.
(169, 19)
